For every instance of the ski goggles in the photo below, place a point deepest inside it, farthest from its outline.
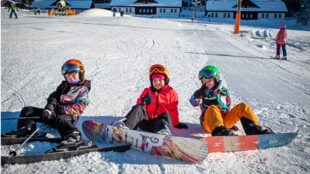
(157, 69)
(207, 74)
(70, 68)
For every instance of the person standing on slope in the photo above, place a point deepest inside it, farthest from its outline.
(63, 108)
(216, 117)
(281, 42)
(13, 9)
(157, 107)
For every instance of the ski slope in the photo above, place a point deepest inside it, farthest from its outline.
(117, 53)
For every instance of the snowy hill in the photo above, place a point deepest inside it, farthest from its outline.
(117, 53)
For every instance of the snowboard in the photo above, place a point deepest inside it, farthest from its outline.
(19, 140)
(181, 148)
(27, 159)
(248, 142)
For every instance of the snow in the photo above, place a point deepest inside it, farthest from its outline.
(117, 53)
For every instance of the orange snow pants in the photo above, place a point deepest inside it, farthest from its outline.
(213, 117)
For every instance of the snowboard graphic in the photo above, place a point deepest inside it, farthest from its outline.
(181, 148)
(248, 142)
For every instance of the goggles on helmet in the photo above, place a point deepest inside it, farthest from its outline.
(207, 74)
(157, 69)
(70, 68)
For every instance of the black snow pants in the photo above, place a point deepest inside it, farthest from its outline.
(138, 118)
(63, 123)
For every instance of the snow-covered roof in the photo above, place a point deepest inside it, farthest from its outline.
(150, 3)
(73, 4)
(263, 6)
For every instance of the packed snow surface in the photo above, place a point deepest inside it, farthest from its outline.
(117, 53)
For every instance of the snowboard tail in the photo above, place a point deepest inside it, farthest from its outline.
(181, 148)
(250, 142)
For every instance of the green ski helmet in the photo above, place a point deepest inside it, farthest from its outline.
(209, 72)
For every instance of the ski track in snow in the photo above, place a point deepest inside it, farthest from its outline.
(117, 53)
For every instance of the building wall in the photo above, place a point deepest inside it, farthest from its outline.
(260, 15)
(227, 15)
(126, 10)
(168, 11)
(274, 16)
(159, 10)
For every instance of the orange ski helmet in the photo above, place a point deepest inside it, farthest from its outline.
(159, 69)
(72, 66)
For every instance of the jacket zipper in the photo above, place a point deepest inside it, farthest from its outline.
(156, 106)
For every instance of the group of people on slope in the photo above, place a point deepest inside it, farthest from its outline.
(156, 109)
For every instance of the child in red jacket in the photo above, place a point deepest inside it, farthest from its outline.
(157, 107)
(281, 42)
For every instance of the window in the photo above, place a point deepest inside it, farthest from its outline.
(143, 10)
(160, 10)
(212, 15)
(228, 15)
(224, 15)
(164, 10)
(175, 10)
(130, 10)
(242, 15)
(140, 10)
(251, 16)
(119, 9)
(267, 15)
(151, 10)
(216, 15)
(280, 16)
(171, 10)
(275, 15)
(263, 15)
(247, 16)
(126, 10)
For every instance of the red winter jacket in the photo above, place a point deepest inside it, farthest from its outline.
(281, 37)
(165, 102)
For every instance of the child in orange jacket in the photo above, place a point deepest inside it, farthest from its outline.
(157, 107)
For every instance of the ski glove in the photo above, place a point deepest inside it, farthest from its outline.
(46, 115)
(50, 107)
(147, 99)
(60, 109)
(181, 126)
(202, 92)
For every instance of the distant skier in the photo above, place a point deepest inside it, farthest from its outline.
(157, 108)
(114, 11)
(63, 109)
(216, 117)
(281, 42)
(13, 9)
